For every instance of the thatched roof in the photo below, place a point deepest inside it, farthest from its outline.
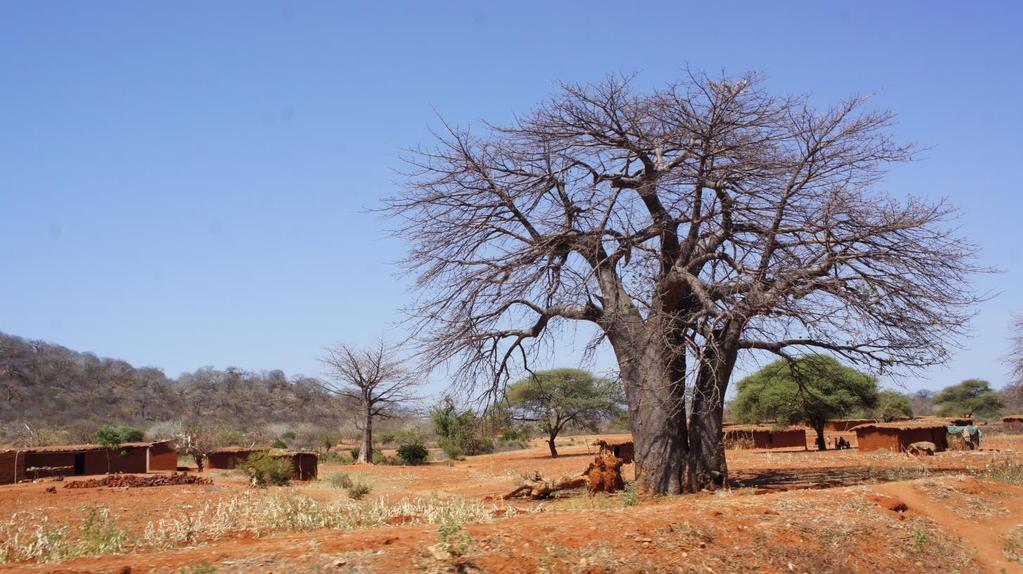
(1012, 419)
(762, 428)
(237, 450)
(69, 448)
(291, 452)
(905, 425)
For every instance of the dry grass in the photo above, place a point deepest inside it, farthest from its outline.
(255, 514)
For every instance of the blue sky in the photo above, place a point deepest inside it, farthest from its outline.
(185, 184)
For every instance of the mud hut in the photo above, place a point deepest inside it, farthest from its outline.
(84, 459)
(764, 436)
(304, 464)
(1013, 422)
(163, 456)
(12, 466)
(230, 457)
(897, 436)
(624, 451)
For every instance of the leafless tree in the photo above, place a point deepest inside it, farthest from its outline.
(1015, 387)
(687, 225)
(375, 377)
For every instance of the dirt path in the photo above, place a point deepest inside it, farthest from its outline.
(985, 536)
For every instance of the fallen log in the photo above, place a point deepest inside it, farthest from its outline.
(602, 475)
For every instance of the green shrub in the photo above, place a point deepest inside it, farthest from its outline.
(340, 480)
(413, 453)
(264, 470)
(358, 490)
(387, 437)
(129, 434)
(378, 455)
(278, 443)
(335, 457)
(630, 496)
(451, 447)
(458, 430)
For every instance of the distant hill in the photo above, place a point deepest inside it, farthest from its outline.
(47, 386)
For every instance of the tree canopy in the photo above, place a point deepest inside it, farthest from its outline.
(811, 389)
(891, 405)
(558, 398)
(970, 398)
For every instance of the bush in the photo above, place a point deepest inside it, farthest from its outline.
(340, 480)
(130, 434)
(413, 453)
(355, 490)
(335, 457)
(358, 491)
(386, 437)
(278, 443)
(265, 470)
(451, 448)
(459, 431)
(378, 455)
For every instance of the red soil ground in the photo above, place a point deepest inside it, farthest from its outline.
(794, 511)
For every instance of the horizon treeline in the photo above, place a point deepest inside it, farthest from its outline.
(45, 387)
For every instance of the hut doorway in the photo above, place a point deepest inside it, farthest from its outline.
(79, 463)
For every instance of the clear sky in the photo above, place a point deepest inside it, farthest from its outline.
(185, 183)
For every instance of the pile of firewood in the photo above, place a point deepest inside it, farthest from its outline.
(135, 481)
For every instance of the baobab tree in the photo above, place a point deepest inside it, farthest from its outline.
(687, 225)
(376, 379)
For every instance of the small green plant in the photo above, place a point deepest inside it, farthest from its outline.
(451, 537)
(279, 443)
(265, 470)
(920, 537)
(378, 455)
(413, 453)
(630, 496)
(1012, 544)
(340, 480)
(358, 490)
(202, 568)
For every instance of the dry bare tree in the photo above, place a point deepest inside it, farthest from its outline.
(1015, 387)
(376, 378)
(687, 225)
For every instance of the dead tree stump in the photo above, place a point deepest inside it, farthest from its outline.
(602, 475)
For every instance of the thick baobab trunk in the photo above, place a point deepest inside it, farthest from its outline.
(707, 468)
(657, 415)
(366, 451)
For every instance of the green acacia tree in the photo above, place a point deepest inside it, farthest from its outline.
(891, 405)
(972, 397)
(813, 388)
(111, 438)
(558, 398)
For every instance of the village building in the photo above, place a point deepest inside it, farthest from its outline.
(897, 436)
(764, 436)
(305, 464)
(85, 459)
(1013, 422)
